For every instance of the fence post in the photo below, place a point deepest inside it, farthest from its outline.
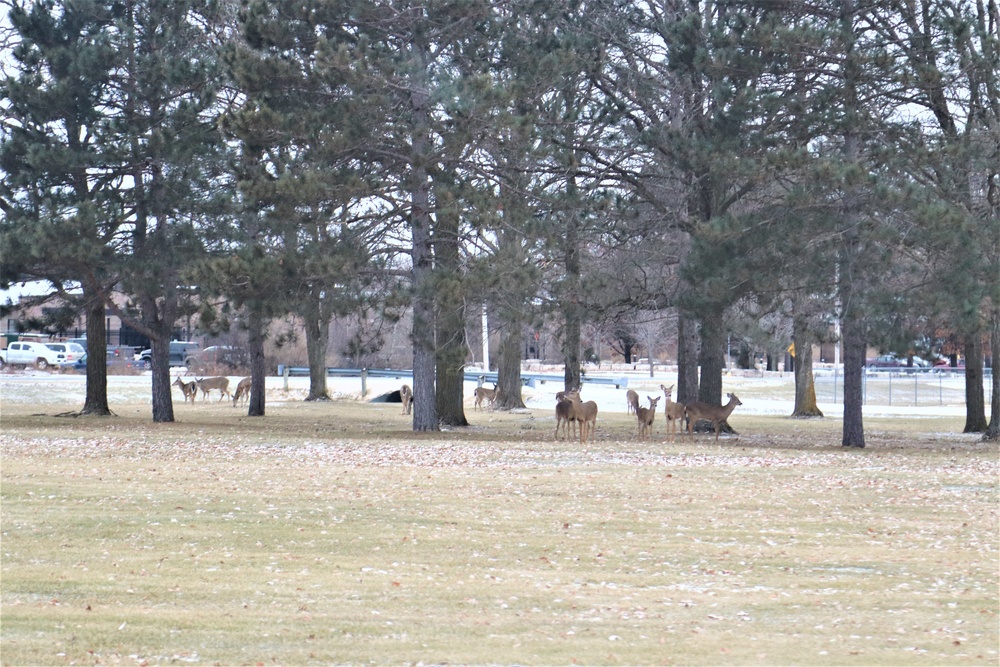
(284, 374)
(364, 382)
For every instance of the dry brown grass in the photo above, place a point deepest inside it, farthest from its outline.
(330, 533)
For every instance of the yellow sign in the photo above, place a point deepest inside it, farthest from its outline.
(791, 350)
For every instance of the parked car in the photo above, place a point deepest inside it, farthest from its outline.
(71, 351)
(885, 361)
(113, 362)
(27, 353)
(213, 357)
(181, 353)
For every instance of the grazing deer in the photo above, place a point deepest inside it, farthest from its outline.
(189, 389)
(674, 412)
(208, 384)
(646, 417)
(632, 398)
(585, 413)
(484, 394)
(565, 416)
(242, 391)
(406, 396)
(712, 413)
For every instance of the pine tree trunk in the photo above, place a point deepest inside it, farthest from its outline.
(712, 345)
(509, 367)
(572, 311)
(854, 365)
(449, 317)
(805, 384)
(975, 407)
(425, 416)
(688, 351)
(317, 339)
(993, 430)
(258, 366)
(163, 406)
(96, 402)
(713, 338)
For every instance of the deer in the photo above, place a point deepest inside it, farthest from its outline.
(632, 398)
(189, 389)
(674, 412)
(585, 413)
(565, 415)
(208, 384)
(484, 394)
(712, 413)
(646, 417)
(406, 396)
(242, 391)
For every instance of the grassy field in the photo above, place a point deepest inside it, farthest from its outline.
(332, 534)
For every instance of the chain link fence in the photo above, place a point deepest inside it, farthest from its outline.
(907, 388)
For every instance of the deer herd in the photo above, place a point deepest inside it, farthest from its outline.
(205, 385)
(570, 409)
(573, 414)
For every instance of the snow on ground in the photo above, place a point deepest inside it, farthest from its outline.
(769, 394)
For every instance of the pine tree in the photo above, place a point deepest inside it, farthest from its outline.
(165, 108)
(61, 210)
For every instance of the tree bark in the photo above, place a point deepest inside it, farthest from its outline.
(163, 406)
(96, 402)
(712, 345)
(688, 351)
(993, 430)
(509, 367)
(258, 368)
(571, 307)
(975, 407)
(449, 315)
(805, 383)
(317, 341)
(852, 332)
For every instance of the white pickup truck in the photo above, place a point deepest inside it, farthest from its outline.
(26, 353)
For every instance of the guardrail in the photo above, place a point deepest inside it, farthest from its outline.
(482, 377)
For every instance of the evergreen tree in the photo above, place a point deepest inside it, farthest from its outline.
(171, 176)
(62, 214)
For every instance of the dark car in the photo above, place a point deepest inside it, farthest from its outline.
(181, 352)
(113, 362)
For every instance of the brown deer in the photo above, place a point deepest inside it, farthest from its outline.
(189, 389)
(242, 391)
(674, 412)
(646, 417)
(208, 384)
(711, 413)
(406, 397)
(565, 416)
(632, 398)
(484, 394)
(585, 413)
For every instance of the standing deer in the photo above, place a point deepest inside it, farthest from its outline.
(646, 417)
(484, 394)
(585, 413)
(565, 416)
(242, 391)
(208, 384)
(189, 389)
(712, 413)
(674, 412)
(406, 396)
(632, 398)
